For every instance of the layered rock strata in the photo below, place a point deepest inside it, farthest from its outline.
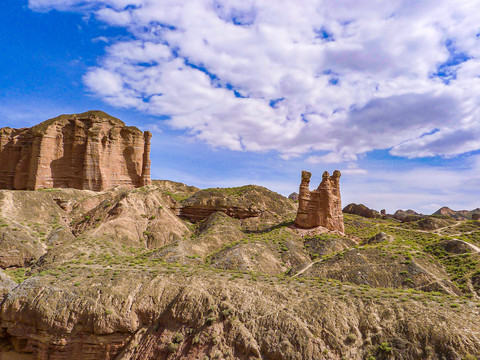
(320, 207)
(92, 151)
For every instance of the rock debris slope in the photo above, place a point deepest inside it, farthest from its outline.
(117, 275)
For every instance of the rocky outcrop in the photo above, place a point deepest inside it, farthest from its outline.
(445, 211)
(92, 151)
(379, 238)
(456, 214)
(293, 196)
(243, 202)
(476, 217)
(361, 210)
(407, 215)
(6, 285)
(320, 207)
(201, 212)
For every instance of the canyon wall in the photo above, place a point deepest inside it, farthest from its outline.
(320, 207)
(89, 151)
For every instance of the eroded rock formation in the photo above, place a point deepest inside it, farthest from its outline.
(293, 196)
(243, 202)
(320, 207)
(361, 210)
(92, 150)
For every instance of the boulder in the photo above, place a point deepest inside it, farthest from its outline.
(379, 238)
(293, 196)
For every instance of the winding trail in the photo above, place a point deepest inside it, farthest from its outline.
(471, 246)
(307, 267)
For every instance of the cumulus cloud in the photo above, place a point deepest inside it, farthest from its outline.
(336, 78)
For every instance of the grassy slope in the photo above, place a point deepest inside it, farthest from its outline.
(261, 254)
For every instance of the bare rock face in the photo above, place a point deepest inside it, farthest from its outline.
(91, 151)
(243, 202)
(293, 196)
(361, 210)
(407, 215)
(320, 207)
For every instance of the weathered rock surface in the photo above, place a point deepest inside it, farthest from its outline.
(6, 285)
(120, 276)
(475, 217)
(361, 210)
(92, 150)
(407, 215)
(379, 238)
(456, 214)
(320, 207)
(124, 219)
(293, 196)
(244, 202)
(196, 315)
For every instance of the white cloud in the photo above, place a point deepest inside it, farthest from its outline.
(336, 77)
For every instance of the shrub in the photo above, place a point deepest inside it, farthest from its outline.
(177, 338)
(385, 347)
(210, 320)
(351, 338)
(172, 347)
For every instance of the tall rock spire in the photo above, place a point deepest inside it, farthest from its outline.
(320, 207)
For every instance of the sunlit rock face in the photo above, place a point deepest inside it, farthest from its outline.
(90, 151)
(320, 207)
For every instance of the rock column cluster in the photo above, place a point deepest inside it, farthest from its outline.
(320, 207)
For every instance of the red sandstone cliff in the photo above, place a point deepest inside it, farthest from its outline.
(92, 150)
(320, 207)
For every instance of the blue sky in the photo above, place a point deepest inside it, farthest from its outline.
(254, 92)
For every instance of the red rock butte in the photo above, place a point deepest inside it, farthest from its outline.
(320, 207)
(88, 151)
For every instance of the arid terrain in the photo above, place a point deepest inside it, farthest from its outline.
(169, 271)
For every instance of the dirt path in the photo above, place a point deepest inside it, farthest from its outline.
(307, 267)
(470, 245)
